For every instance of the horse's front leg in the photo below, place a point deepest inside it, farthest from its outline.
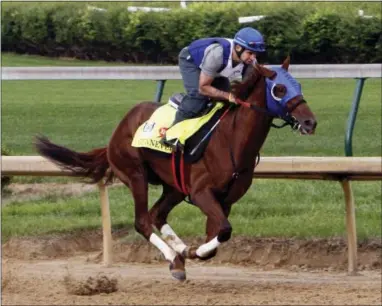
(236, 192)
(218, 227)
(210, 231)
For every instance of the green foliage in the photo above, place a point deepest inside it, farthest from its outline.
(322, 34)
(362, 37)
(66, 20)
(282, 31)
(308, 32)
(10, 28)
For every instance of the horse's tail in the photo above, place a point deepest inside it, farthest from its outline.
(93, 164)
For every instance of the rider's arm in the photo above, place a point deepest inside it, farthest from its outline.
(212, 62)
(206, 89)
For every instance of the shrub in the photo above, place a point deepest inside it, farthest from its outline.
(72, 29)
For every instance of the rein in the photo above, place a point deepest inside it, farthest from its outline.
(289, 120)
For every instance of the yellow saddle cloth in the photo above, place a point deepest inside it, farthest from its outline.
(149, 134)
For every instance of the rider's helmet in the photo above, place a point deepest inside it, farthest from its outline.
(250, 39)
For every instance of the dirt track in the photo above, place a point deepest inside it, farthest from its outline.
(67, 270)
(42, 282)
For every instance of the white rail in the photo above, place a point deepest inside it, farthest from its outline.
(324, 167)
(172, 72)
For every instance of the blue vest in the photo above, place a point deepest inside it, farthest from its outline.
(197, 48)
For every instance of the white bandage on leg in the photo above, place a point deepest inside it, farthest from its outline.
(208, 247)
(172, 239)
(168, 253)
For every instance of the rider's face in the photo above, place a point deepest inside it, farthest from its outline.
(248, 57)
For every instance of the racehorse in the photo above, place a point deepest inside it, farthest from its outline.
(215, 182)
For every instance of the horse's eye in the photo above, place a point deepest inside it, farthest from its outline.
(278, 91)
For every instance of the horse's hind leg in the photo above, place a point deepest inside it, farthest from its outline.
(159, 212)
(136, 179)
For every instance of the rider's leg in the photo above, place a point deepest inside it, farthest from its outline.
(193, 103)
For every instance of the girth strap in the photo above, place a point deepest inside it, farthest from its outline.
(178, 172)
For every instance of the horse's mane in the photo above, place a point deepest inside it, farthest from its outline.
(243, 89)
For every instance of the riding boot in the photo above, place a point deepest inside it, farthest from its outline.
(178, 118)
(174, 143)
(190, 107)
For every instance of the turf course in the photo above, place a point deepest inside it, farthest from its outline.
(83, 114)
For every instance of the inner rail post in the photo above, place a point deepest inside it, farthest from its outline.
(106, 224)
(350, 227)
(159, 92)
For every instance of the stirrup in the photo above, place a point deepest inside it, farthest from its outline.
(174, 143)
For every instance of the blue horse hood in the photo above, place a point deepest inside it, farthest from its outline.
(293, 89)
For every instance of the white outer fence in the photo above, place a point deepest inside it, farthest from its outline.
(341, 169)
(172, 72)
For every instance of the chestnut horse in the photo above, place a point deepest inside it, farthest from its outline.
(216, 181)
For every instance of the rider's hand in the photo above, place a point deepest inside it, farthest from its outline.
(233, 99)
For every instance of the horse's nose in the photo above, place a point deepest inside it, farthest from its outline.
(310, 124)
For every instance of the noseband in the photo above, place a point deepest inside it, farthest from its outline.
(288, 118)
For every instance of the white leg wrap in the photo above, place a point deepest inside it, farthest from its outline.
(208, 247)
(172, 239)
(168, 253)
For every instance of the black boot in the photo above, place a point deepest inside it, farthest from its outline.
(178, 118)
(174, 142)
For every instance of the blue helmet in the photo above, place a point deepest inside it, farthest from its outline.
(250, 39)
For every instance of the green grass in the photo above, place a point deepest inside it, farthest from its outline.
(271, 208)
(83, 114)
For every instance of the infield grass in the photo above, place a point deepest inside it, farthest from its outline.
(83, 114)
(271, 208)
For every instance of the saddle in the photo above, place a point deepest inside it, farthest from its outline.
(191, 135)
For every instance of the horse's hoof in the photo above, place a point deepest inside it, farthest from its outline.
(179, 275)
(190, 253)
(177, 268)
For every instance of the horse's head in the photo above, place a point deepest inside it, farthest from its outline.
(284, 98)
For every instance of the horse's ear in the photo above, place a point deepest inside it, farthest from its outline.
(286, 63)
